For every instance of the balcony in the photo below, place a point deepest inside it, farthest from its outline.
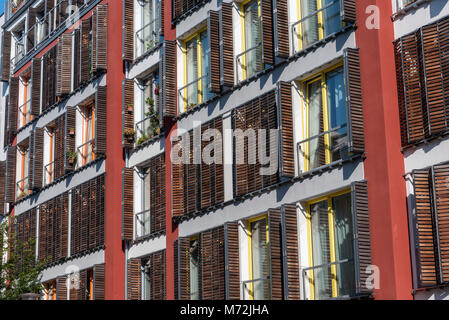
(249, 63)
(19, 52)
(85, 153)
(142, 224)
(257, 289)
(49, 172)
(22, 188)
(12, 6)
(193, 93)
(24, 114)
(147, 38)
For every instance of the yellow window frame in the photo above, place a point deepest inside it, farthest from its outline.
(250, 251)
(304, 84)
(199, 50)
(319, 5)
(242, 24)
(331, 219)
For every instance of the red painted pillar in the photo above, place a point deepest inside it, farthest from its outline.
(169, 127)
(384, 163)
(114, 252)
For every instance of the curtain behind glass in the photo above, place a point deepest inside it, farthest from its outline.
(205, 65)
(344, 249)
(315, 114)
(194, 270)
(192, 72)
(252, 38)
(321, 251)
(259, 256)
(309, 27)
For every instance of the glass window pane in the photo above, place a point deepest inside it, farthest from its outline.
(147, 281)
(252, 38)
(194, 269)
(205, 64)
(316, 150)
(259, 260)
(331, 16)
(192, 72)
(309, 27)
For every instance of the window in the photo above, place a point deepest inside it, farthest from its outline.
(22, 185)
(331, 249)
(403, 3)
(148, 36)
(89, 285)
(49, 154)
(50, 290)
(326, 138)
(85, 152)
(258, 285)
(24, 114)
(196, 71)
(318, 19)
(147, 280)
(149, 125)
(143, 218)
(250, 60)
(194, 258)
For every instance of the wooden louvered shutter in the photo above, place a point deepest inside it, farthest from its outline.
(354, 104)
(30, 32)
(281, 29)
(86, 28)
(127, 203)
(128, 30)
(99, 282)
(290, 252)
(2, 192)
(70, 125)
(441, 207)
(157, 275)
(177, 8)
(13, 107)
(275, 250)
(267, 32)
(31, 161)
(443, 36)
(213, 265)
(183, 269)
(400, 90)
(157, 194)
(5, 123)
(36, 87)
(232, 260)
(76, 58)
(226, 46)
(61, 288)
(178, 205)
(213, 30)
(11, 174)
(128, 115)
(134, 279)
(101, 44)
(65, 224)
(64, 86)
(100, 121)
(348, 11)
(6, 55)
(59, 137)
(93, 54)
(169, 91)
(37, 159)
(285, 111)
(362, 238)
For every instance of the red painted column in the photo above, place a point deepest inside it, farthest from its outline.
(169, 128)
(384, 164)
(114, 252)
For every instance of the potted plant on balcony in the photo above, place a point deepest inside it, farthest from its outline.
(156, 89)
(142, 139)
(21, 195)
(71, 132)
(71, 157)
(130, 108)
(130, 134)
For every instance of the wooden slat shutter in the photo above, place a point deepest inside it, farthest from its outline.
(36, 87)
(93, 54)
(64, 86)
(177, 8)
(2, 192)
(37, 159)
(99, 282)
(232, 260)
(178, 206)
(101, 38)
(134, 279)
(226, 46)
(6, 55)
(443, 37)
(64, 225)
(285, 109)
(348, 11)
(30, 32)
(5, 123)
(275, 250)
(441, 205)
(128, 116)
(400, 87)
(11, 174)
(100, 121)
(182, 272)
(362, 238)
(290, 252)
(61, 288)
(49, 82)
(70, 125)
(79, 292)
(354, 104)
(31, 161)
(267, 32)
(169, 90)
(213, 264)
(157, 193)
(213, 29)
(281, 29)
(13, 107)
(157, 275)
(128, 30)
(86, 28)
(76, 58)
(127, 203)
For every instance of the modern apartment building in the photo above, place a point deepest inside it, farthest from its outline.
(311, 134)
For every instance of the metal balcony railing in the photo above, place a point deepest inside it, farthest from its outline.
(257, 289)
(144, 128)
(11, 7)
(22, 187)
(193, 93)
(147, 37)
(401, 4)
(24, 113)
(85, 153)
(49, 172)
(142, 224)
(307, 30)
(321, 277)
(249, 62)
(333, 142)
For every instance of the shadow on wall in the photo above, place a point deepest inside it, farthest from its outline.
(436, 7)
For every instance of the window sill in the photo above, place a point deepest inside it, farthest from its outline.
(148, 237)
(408, 8)
(148, 142)
(176, 20)
(147, 53)
(412, 146)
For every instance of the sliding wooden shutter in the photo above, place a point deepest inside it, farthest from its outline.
(2, 192)
(285, 109)
(128, 30)
(36, 87)
(281, 29)
(100, 121)
(267, 32)
(157, 193)
(37, 159)
(61, 288)
(226, 46)
(348, 11)
(362, 238)
(128, 116)
(76, 58)
(13, 107)
(182, 268)
(178, 206)
(232, 260)
(65, 65)
(86, 28)
(354, 104)
(213, 30)
(157, 275)
(275, 250)
(290, 252)
(93, 54)
(5, 122)
(169, 91)
(31, 17)
(101, 44)
(11, 174)
(6, 55)
(213, 264)
(128, 203)
(134, 279)
(70, 125)
(99, 282)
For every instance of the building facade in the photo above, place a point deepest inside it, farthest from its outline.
(311, 139)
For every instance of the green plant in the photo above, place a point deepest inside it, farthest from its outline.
(142, 139)
(22, 195)
(149, 101)
(190, 106)
(129, 132)
(71, 155)
(154, 120)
